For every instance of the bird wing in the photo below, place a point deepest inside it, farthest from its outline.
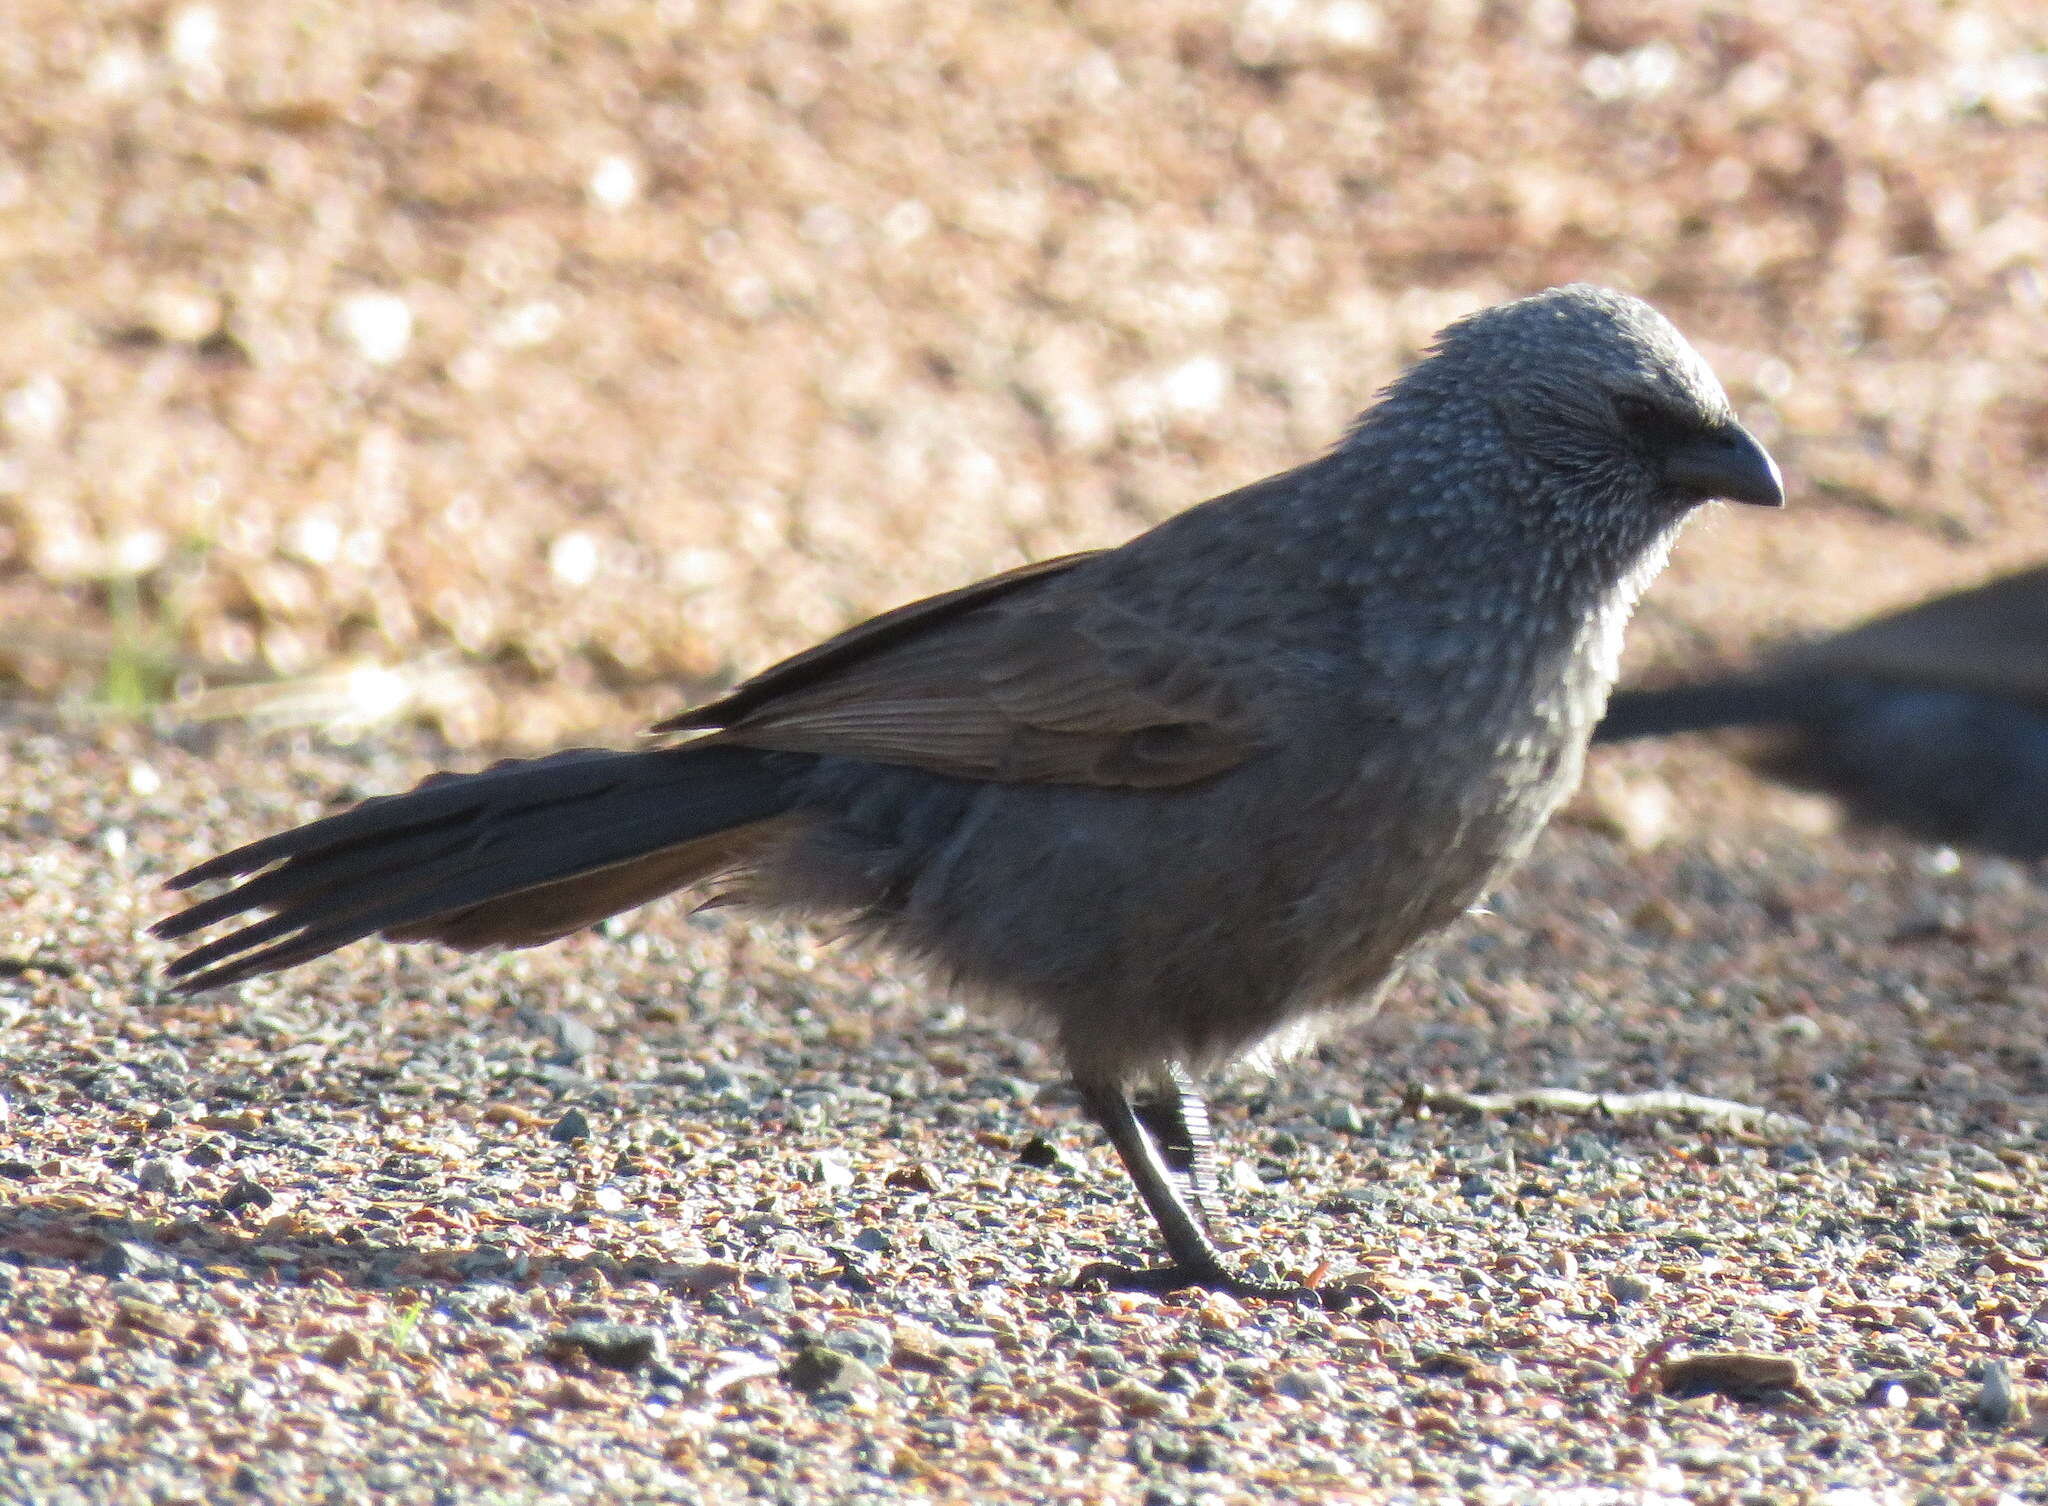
(1003, 680)
(862, 640)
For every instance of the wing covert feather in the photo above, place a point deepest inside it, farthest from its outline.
(1008, 681)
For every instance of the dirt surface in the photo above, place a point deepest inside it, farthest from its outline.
(334, 1233)
(519, 371)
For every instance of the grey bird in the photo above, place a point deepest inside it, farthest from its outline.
(1934, 718)
(1174, 803)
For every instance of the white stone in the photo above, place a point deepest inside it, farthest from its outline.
(1352, 24)
(36, 410)
(614, 182)
(572, 559)
(529, 324)
(1196, 386)
(378, 325)
(193, 37)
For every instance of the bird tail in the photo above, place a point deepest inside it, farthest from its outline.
(520, 853)
(1701, 708)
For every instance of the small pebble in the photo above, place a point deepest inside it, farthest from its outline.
(245, 1193)
(1041, 1153)
(1625, 1287)
(1304, 1384)
(574, 1039)
(344, 1348)
(167, 1174)
(1742, 1374)
(616, 1346)
(1995, 1405)
(1136, 1399)
(827, 1374)
(1343, 1117)
(126, 1257)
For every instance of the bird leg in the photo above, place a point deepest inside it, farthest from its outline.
(1177, 1119)
(1196, 1260)
(1166, 1144)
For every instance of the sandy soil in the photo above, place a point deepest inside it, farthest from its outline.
(550, 356)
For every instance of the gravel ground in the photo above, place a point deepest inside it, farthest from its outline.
(707, 1211)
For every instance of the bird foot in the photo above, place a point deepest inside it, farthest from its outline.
(1214, 1276)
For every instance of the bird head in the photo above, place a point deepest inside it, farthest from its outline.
(1600, 387)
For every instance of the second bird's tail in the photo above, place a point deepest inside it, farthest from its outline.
(1700, 708)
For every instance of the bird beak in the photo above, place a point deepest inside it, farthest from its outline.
(1728, 464)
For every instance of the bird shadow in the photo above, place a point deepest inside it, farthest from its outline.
(53, 1232)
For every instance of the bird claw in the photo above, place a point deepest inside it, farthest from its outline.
(1357, 1300)
(1214, 1276)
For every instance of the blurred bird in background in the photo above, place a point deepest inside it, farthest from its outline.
(1934, 718)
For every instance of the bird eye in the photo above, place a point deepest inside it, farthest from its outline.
(1638, 413)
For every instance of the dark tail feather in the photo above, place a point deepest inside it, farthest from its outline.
(549, 911)
(1701, 708)
(519, 854)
